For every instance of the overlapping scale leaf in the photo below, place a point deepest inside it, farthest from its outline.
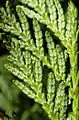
(58, 58)
(26, 89)
(40, 98)
(52, 51)
(32, 3)
(37, 73)
(8, 26)
(40, 15)
(41, 8)
(49, 111)
(21, 60)
(27, 61)
(6, 13)
(52, 14)
(8, 22)
(38, 5)
(38, 36)
(61, 19)
(24, 24)
(30, 13)
(61, 102)
(25, 72)
(50, 44)
(15, 29)
(68, 80)
(47, 12)
(17, 72)
(51, 90)
(71, 23)
(63, 107)
(61, 62)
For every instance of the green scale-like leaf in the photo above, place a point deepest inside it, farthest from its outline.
(29, 56)
(57, 58)
(49, 12)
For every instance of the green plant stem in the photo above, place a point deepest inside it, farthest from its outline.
(74, 73)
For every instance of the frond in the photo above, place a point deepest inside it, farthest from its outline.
(29, 56)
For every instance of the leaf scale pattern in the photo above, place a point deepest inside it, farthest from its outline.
(30, 37)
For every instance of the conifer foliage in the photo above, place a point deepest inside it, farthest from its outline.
(42, 40)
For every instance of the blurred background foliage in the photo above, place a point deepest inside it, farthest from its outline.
(13, 102)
